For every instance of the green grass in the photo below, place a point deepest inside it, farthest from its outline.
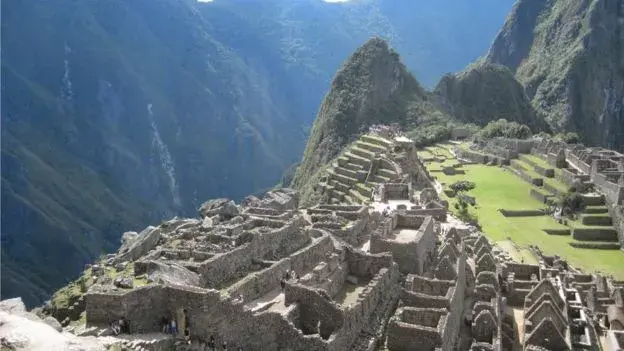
(499, 188)
(555, 183)
(537, 160)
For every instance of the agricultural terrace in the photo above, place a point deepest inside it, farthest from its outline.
(500, 188)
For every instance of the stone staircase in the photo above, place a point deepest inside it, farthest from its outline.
(595, 227)
(353, 175)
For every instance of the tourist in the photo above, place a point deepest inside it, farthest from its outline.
(211, 343)
(173, 327)
(224, 346)
(187, 335)
(283, 284)
(115, 328)
(164, 324)
(122, 325)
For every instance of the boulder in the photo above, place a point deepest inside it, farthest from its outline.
(128, 237)
(121, 266)
(124, 283)
(224, 208)
(13, 306)
(145, 242)
(207, 223)
(51, 321)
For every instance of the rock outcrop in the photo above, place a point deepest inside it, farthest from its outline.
(568, 55)
(483, 93)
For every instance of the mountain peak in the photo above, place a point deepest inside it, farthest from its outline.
(372, 87)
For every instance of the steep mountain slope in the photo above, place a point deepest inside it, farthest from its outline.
(118, 113)
(569, 56)
(486, 92)
(372, 87)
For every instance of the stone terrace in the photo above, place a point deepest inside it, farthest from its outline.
(365, 165)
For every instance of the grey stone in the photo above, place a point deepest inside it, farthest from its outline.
(51, 321)
(124, 283)
(128, 237)
(207, 223)
(121, 266)
(224, 208)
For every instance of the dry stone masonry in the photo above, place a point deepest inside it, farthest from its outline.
(375, 266)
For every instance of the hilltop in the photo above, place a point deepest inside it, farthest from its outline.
(568, 55)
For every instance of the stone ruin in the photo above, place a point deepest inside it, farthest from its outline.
(268, 274)
(597, 173)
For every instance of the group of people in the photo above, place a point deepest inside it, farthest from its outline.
(120, 326)
(288, 275)
(170, 326)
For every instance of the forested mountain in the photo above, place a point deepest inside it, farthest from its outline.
(569, 55)
(118, 113)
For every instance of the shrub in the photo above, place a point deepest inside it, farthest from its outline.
(568, 138)
(462, 186)
(504, 128)
(571, 203)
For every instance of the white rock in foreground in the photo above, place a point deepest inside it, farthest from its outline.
(27, 334)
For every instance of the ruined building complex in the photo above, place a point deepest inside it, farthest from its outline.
(374, 266)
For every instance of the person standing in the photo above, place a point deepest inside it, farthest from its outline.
(174, 327)
(211, 343)
(164, 324)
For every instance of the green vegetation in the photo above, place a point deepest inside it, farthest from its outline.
(497, 188)
(504, 128)
(483, 93)
(568, 82)
(569, 138)
(358, 99)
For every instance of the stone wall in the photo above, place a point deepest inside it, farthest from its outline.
(396, 191)
(521, 271)
(259, 283)
(366, 265)
(370, 302)
(521, 213)
(439, 214)
(593, 234)
(223, 267)
(418, 329)
(617, 218)
(614, 193)
(413, 256)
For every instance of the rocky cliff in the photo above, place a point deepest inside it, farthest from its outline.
(485, 92)
(569, 56)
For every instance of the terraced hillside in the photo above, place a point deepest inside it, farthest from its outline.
(594, 226)
(510, 212)
(362, 166)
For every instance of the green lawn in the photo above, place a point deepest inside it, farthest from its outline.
(554, 182)
(499, 188)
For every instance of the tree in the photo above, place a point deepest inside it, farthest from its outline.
(568, 138)
(463, 201)
(462, 186)
(504, 128)
(571, 203)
